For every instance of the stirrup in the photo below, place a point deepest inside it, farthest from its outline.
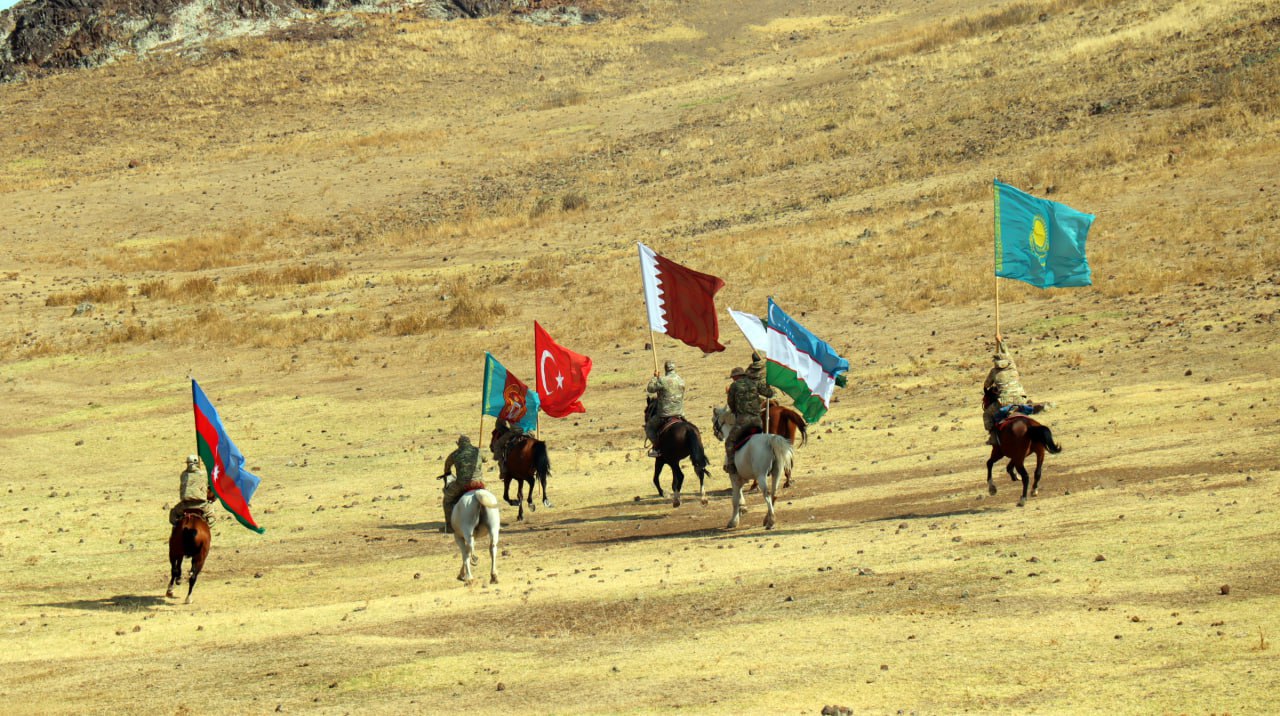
(654, 453)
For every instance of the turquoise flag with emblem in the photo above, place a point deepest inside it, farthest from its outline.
(1039, 241)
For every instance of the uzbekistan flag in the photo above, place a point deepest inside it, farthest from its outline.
(801, 365)
(1039, 241)
(228, 479)
(506, 397)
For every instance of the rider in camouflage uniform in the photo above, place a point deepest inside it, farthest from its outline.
(502, 443)
(1008, 388)
(669, 392)
(465, 462)
(193, 492)
(744, 401)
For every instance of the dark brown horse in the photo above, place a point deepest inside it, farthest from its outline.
(1021, 436)
(676, 441)
(525, 461)
(189, 538)
(786, 422)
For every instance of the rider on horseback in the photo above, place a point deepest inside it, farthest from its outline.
(669, 401)
(510, 437)
(193, 493)
(465, 461)
(1004, 386)
(744, 400)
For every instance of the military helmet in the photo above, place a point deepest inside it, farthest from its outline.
(737, 373)
(193, 460)
(669, 366)
(463, 440)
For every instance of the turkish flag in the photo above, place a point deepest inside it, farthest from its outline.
(681, 301)
(561, 376)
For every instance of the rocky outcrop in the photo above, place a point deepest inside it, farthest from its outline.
(40, 36)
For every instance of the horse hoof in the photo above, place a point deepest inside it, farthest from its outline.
(493, 579)
(513, 503)
(475, 559)
(1022, 503)
(187, 600)
(675, 502)
(547, 503)
(169, 594)
(705, 501)
(991, 488)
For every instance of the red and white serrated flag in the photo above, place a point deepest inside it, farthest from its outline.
(561, 376)
(681, 301)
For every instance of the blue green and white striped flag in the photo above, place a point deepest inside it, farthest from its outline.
(801, 365)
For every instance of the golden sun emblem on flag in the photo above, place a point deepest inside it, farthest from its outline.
(1039, 240)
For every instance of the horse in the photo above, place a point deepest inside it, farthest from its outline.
(762, 456)
(786, 422)
(676, 441)
(526, 459)
(475, 513)
(189, 538)
(1019, 436)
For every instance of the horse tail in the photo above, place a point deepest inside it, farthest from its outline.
(696, 454)
(541, 463)
(1042, 435)
(803, 426)
(486, 498)
(783, 453)
(190, 540)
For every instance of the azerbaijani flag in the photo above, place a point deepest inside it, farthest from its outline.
(506, 397)
(1039, 241)
(801, 365)
(228, 479)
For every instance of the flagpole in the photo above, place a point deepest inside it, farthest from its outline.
(995, 275)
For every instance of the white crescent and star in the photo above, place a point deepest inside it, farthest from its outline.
(542, 368)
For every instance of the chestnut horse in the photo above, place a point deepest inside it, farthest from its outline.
(526, 459)
(189, 538)
(786, 422)
(676, 442)
(1019, 437)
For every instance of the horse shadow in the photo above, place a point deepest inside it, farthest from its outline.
(120, 602)
(715, 533)
(930, 515)
(416, 526)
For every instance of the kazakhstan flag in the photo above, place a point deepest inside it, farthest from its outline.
(1039, 241)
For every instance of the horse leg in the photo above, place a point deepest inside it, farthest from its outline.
(1026, 483)
(197, 564)
(768, 488)
(677, 482)
(737, 501)
(493, 550)
(995, 457)
(657, 472)
(787, 482)
(175, 572)
(506, 491)
(1035, 485)
(532, 486)
(464, 574)
(545, 502)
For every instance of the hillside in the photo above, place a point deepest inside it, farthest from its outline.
(328, 229)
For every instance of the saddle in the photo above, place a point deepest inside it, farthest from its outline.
(473, 486)
(743, 438)
(673, 421)
(1004, 423)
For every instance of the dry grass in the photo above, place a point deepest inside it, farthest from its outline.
(328, 228)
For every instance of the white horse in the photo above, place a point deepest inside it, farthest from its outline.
(475, 514)
(764, 459)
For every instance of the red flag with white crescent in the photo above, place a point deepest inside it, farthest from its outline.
(561, 375)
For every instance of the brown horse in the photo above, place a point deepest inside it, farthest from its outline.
(189, 538)
(1019, 437)
(676, 442)
(526, 459)
(786, 422)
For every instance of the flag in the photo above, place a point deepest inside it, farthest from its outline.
(507, 398)
(681, 301)
(801, 365)
(754, 329)
(1039, 241)
(561, 377)
(223, 461)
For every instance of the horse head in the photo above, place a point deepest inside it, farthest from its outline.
(718, 421)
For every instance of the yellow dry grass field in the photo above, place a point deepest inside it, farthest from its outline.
(328, 229)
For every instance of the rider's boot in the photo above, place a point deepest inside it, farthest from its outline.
(993, 438)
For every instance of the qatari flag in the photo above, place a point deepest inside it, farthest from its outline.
(230, 481)
(681, 301)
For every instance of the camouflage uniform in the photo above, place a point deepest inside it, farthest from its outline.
(193, 492)
(744, 400)
(465, 463)
(1008, 387)
(669, 390)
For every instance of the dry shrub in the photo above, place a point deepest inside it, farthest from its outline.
(473, 311)
(233, 247)
(294, 275)
(131, 332)
(106, 293)
(541, 271)
(198, 287)
(573, 202)
(414, 324)
(158, 288)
